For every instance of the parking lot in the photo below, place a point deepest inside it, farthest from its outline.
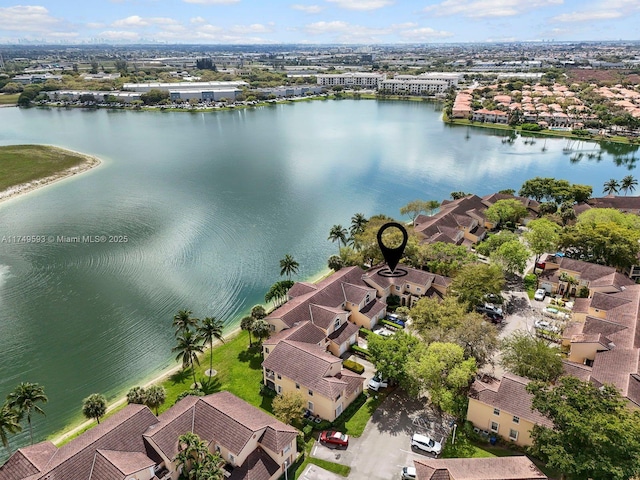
(385, 446)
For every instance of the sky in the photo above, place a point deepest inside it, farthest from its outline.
(317, 21)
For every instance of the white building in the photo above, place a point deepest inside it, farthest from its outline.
(361, 79)
(423, 84)
(183, 86)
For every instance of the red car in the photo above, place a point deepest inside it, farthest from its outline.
(335, 438)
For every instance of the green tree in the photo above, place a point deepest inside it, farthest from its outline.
(210, 330)
(288, 266)
(390, 355)
(137, 395)
(475, 281)
(261, 330)
(94, 406)
(154, 96)
(511, 256)
(611, 187)
(335, 263)
(442, 370)
(493, 242)
(258, 312)
(25, 399)
(542, 236)
(358, 222)
(278, 292)
(538, 188)
(528, 356)
(458, 195)
(182, 321)
(338, 234)
(416, 207)
(246, 324)
(9, 423)
(581, 193)
(628, 184)
(443, 258)
(506, 211)
(595, 435)
(188, 347)
(194, 461)
(156, 396)
(289, 407)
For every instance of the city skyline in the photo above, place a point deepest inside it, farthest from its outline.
(319, 21)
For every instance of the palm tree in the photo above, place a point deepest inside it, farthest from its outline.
(247, 324)
(24, 400)
(258, 312)
(288, 266)
(9, 423)
(137, 395)
(338, 234)
(261, 329)
(188, 348)
(628, 184)
(211, 329)
(183, 321)
(358, 222)
(432, 206)
(94, 406)
(610, 187)
(156, 395)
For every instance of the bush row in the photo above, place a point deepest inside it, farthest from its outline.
(353, 366)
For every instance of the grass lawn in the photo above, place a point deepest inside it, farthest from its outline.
(6, 99)
(298, 467)
(355, 423)
(239, 371)
(24, 163)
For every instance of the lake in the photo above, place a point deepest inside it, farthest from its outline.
(209, 204)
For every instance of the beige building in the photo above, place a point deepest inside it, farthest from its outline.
(499, 468)
(503, 407)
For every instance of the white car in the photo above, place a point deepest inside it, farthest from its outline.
(422, 442)
(408, 473)
(544, 325)
(376, 383)
(540, 294)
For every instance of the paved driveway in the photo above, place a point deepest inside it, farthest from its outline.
(385, 446)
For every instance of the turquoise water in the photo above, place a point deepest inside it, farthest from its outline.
(209, 203)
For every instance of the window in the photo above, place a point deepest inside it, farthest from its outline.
(513, 434)
(279, 377)
(496, 411)
(494, 427)
(336, 323)
(516, 419)
(279, 388)
(232, 459)
(298, 386)
(418, 289)
(310, 406)
(217, 448)
(310, 393)
(286, 450)
(266, 349)
(397, 288)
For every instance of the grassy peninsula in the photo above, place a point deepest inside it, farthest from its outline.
(25, 167)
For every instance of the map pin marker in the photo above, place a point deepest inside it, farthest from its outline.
(392, 255)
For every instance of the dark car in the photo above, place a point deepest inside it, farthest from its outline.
(335, 438)
(492, 313)
(392, 317)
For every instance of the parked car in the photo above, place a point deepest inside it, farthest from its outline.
(392, 317)
(544, 325)
(376, 383)
(492, 313)
(333, 437)
(422, 442)
(540, 294)
(408, 473)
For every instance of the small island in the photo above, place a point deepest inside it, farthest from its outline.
(26, 167)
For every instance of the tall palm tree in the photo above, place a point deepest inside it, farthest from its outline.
(288, 265)
(247, 324)
(628, 184)
(156, 395)
(24, 399)
(611, 186)
(9, 423)
(183, 321)
(358, 222)
(258, 312)
(188, 348)
(94, 406)
(338, 234)
(211, 329)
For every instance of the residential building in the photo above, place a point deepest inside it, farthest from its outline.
(308, 369)
(498, 468)
(566, 276)
(29, 78)
(423, 84)
(184, 86)
(351, 79)
(503, 407)
(135, 445)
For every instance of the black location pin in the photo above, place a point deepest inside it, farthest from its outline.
(392, 255)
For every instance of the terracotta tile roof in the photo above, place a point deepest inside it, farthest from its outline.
(112, 465)
(415, 276)
(305, 332)
(18, 467)
(220, 418)
(588, 271)
(257, 466)
(581, 305)
(343, 334)
(357, 294)
(579, 370)
(604, 301)
(510, 395)
(497, 468)
(372, 309)
(623, 203)
(617, 367)
(353, 380)
(324, 317)
(301, 288)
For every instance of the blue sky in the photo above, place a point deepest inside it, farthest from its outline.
(318, 21)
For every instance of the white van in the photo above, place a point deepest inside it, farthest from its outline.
(422, 442)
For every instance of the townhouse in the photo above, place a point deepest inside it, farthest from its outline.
(351, 79)
(134, 444)
(499, 468)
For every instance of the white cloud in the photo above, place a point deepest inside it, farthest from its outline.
(312, 9)
(361, 4)
(423, 34)
(197, 20)
(488, 8)
(136, 21)
(604, 10)
(212, 2)
(346, 32)
(119, 35)
(587, 16)
(27, 18)
(319, 28)
(253, 28)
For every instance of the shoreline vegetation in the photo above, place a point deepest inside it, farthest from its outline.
(26, 168)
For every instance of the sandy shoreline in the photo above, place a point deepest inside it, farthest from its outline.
(89, 163)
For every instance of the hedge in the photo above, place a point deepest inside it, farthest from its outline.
(388, 323)
(360, 350)
(353, 366)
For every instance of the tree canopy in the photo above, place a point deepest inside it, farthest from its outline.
(94, 406)
(493, 242)
(288, 407)
(511, 256)
(528, 356)
(542, 236)
(390, 355)
(416, 207)
(509, 210)
(595, 435)
(475, 281)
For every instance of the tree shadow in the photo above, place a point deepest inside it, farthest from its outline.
(181, 376)
(211, 385)
(252, 356)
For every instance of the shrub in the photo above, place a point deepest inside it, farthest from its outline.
(393, 300)
(530, 281)
(387, 323)
(266, 391)
(353, 366)
(186, 393)
(307, 430)
(364, 332)
(583, 292)
(360, 350)
(531, 127)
